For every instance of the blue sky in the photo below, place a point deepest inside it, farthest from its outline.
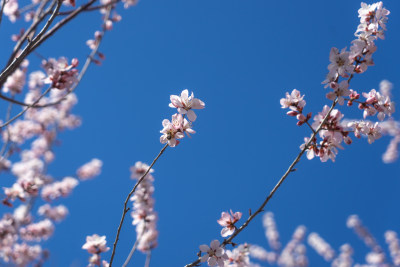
(239, 57)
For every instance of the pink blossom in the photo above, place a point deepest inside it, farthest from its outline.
(215, 254)
(139, 169)
(23, 254)
(228, 222)
(90, 169)
(56, 213)
(143, 214)
(321, 246)
(185, 104)
(15, 82)
(11, 10)
(129, 3)
(340, 62)
(173, 130)
(37, 231)
(59, 189)
(60, 74)
(239, 256)
(95, 244)
(293, 101)
(271, 231)
(372, 131)
(340, 92)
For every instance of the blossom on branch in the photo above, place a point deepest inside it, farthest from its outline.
(185, 104)
(228, 222)
(60, 74)
(214, 254)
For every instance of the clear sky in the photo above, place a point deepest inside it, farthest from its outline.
(239, 57)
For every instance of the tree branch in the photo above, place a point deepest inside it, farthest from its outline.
(125, 210)
(271, 194)
(26, 109)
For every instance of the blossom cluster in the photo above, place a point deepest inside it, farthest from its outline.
(96, 245)
(329, 123)
(60, 74)
(27, 152)
(143, 214)
(28, 139)
(179, 125)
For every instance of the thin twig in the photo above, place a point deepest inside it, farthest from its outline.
(38, 18)
(148, 258)
(128, 259)
(27, 8)
(125, 210)
(13, 65)
(93, 8)
(8, 115)
(271, 194)
(3, 4)
(309, 125)
(25, 109)
(28, 48)
(61, 23)
(85, 67)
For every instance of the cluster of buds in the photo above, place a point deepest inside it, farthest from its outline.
(96, 245)
(93, 44)
(178, 126)
(60, 74)
(143, 214)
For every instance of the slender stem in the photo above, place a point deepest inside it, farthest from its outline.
(128, 259)
(125, 210)
(93, 8)
(3, 3)
(271, 194)
(148, 258)
(25, 109)
(309, 125)
(8, 115)
(45, 36)
(88, 61)
(38, 18)
(61, 23)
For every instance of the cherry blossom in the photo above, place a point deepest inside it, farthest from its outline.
(90, 169)
(15, 82)
(143, 214)
(60, 74)
(321, 246)
(11, 10)
(139, 169)
(340, 92)
(214, 254)
(96, 244)
(340, 62)
(228, 222)
(57, 213)
(185, 104)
